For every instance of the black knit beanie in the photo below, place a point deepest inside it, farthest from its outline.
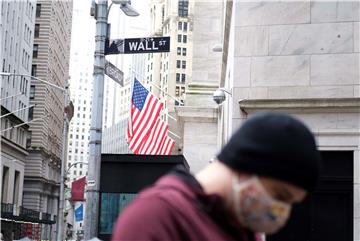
(274, 145)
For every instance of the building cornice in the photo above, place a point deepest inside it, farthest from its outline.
(13, 117)
(41, 180)
(202, 88)
(55, 160)
(13, 146)
(310, 105)
(195, 113)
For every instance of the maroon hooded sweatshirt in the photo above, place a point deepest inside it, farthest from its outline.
(176, 208)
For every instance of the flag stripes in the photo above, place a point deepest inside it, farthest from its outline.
(157, 133)
(147, 133)
(143, 121)
(167, 146)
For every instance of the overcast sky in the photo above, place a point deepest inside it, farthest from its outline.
(83, 29)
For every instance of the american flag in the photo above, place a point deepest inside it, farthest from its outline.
(158, 143)
(146, 131)
(166, 146)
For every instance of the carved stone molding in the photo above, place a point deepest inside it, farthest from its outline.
(313, 105)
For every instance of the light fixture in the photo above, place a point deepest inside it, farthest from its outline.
(217, 48)
(125, 6)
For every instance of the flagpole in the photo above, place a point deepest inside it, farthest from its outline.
(171, 117)
(172, 133)
(166, 113)
(172, 97)
(25, 123)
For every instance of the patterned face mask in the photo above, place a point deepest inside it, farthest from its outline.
(256, 209)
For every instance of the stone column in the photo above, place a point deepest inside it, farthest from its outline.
(199, 117)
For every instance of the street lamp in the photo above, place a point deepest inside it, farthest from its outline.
(125, 6)
(66, 187)
(68, 112)
(100, 11)
(74, 164)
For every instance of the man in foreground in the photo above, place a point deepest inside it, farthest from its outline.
(270, 163)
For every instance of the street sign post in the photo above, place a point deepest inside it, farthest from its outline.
(138, 45)
(113, 72)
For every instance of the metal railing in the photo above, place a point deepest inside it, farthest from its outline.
(29, 213)
(11, 211)
(7, 210)
(46, 217)
(7, 207)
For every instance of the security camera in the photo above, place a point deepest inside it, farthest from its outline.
(219, 96)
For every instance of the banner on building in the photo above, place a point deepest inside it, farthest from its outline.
(78, 189)
(79, 213)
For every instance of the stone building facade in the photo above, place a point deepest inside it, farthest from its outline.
(198, 118)
(303, 58)
(300, 58)
(52, 35)
(16, 35)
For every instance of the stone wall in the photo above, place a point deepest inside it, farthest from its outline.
(298, 51)
(301, 49)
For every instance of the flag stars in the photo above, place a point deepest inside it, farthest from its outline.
(140, 94)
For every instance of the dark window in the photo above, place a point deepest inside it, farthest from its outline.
(28, 139)
(179, 25)
(31, 113)
(25, 87)
(33, 70)
(183, 8)
(177, 77)
(179, 38)
(185, 26)
(182, 78)
(184, 51)
(184, 38)
(5, 184)
(333, 194)
(38, 10)
(37, 30)
(178, 51)
(32, 92)
(183, 64)
(35, 50)
(178, 64)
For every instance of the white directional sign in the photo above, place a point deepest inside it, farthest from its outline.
(114, 73)
(91, 183)
(138, 45)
